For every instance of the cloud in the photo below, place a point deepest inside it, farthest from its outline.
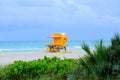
(26, 3)
(72, 16)
(57, 12)
(70, 2)
(4, 3)
(111, 19)
(40, 3)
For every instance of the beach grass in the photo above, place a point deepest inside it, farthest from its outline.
(2, 73)
(101, 64)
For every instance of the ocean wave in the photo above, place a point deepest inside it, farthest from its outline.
(20, 49)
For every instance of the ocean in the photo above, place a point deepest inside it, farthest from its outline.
(24, 46)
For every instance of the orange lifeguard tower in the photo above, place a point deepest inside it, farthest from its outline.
(59, 42)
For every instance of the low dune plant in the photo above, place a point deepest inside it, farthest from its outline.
(2, 73)
(35, 70)
(102, 63)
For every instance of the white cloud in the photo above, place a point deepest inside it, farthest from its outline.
(8, 3)
(111, 19)
(57, 1)
(25, 3)
(32, 3)
(70, 2)
(56, 11)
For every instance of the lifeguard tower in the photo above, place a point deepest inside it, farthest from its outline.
(59, 42)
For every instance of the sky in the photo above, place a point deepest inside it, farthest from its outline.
(34, 20)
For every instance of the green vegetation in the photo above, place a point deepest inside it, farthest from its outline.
(42, 69)
(102, 63)
(2, 74)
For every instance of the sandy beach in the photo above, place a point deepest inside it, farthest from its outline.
(10, 57)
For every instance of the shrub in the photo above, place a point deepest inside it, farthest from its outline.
(2, 73)
(101, 64)
(53, 67)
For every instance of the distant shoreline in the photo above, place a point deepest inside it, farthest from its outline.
(24, 46)
(9, 57)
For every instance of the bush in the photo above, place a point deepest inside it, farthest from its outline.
(101, 64)
(2, 73)
(52, 67)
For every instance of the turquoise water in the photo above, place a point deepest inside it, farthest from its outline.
(20, 46)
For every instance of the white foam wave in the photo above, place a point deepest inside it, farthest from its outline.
(19, 49)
